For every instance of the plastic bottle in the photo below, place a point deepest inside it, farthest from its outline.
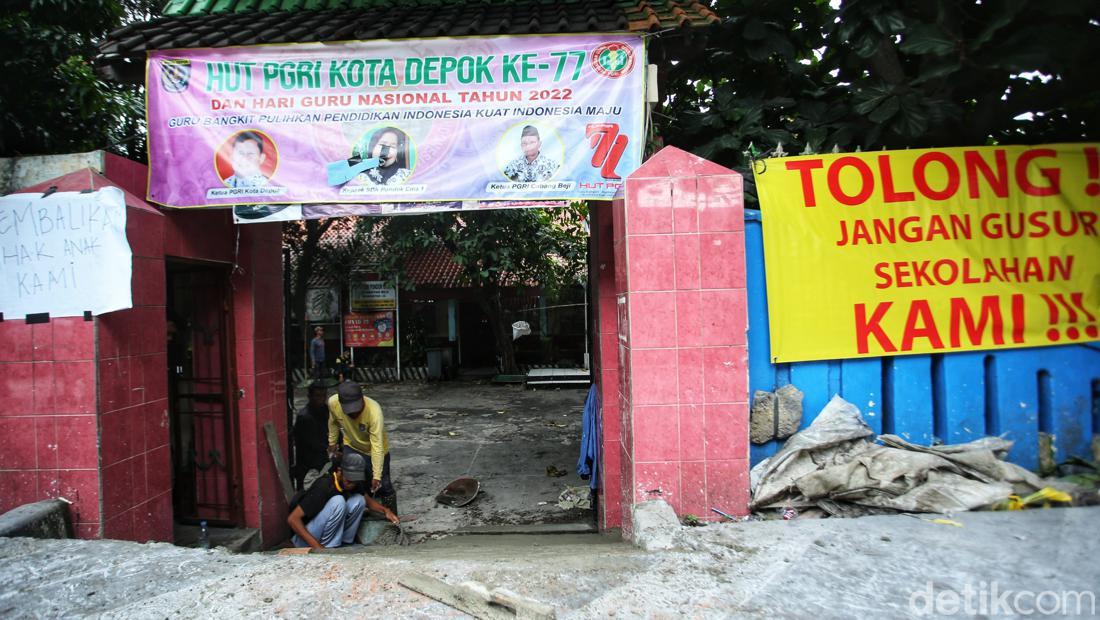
(204, 536)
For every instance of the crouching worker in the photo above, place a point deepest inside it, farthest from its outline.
(327, 514)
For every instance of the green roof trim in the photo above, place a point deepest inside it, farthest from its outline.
(221, 23)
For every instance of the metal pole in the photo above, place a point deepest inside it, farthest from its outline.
(397, 322)
(586, 363)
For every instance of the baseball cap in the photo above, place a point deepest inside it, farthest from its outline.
(354, 467)
(351, 397)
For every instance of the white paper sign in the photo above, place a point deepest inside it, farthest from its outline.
(64, 254)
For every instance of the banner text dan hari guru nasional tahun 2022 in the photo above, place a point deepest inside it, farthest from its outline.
(931, 251)
(421, 120)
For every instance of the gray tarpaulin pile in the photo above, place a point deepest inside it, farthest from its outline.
(836, 466)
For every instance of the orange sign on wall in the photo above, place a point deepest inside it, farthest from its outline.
(368, 329)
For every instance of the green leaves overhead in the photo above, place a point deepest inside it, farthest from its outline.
(875, 74)
(927, 39)
(544, 248)
(51, 100)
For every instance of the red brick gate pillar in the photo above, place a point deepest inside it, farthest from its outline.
(673, 370)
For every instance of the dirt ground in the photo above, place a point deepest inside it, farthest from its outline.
(505, 436)
(874, 567)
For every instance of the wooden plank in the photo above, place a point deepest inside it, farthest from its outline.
(280, 463)
(476, 599)
(462, 599)
(523, 606)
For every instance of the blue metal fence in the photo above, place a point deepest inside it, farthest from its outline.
(954, 397)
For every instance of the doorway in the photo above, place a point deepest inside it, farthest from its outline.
(206, 483)
(475, 336)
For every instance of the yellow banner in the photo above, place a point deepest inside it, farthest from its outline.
(931, 251)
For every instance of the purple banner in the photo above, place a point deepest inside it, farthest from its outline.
(455, 121)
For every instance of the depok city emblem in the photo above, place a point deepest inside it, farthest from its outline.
(175, 74)
(613, 59)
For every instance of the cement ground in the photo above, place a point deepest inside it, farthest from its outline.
(504, 435)
(873, 567)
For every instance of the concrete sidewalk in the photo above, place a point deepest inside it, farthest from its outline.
(891, 566)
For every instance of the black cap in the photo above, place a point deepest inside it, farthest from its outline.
(351, 397)
(354, 467)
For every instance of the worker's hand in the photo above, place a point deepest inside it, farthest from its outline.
(374, 486)
(333, 451)
(392, 517)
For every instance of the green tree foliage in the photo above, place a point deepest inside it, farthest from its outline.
(51, 100)
(539, 248)
(873, 74)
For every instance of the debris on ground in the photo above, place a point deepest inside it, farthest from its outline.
(477, 600)
(1084, 476)
(775, 415)
(724, 515)
(834, 466)
(402, 537)
(575, 497)
(1044, 497)
(554, 472)
(937, 521)
(656, 527)
(691, 520)
(459, 492)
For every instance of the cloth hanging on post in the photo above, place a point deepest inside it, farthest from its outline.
(588, 463)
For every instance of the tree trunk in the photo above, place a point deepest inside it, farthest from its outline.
(315, 229)
(493, 306)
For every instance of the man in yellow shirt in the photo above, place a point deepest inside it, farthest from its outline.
(359, 420)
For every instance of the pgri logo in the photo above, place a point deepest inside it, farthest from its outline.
(613, 60)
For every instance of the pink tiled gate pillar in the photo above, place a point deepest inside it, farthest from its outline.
(679, 412)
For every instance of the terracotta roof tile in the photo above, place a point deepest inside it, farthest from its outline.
(434, 268)
(429, 268)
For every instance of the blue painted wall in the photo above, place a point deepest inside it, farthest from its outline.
(953, 398)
